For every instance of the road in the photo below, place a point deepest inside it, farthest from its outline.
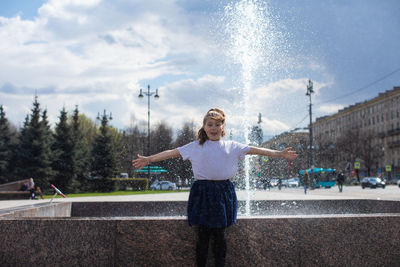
(391, 192)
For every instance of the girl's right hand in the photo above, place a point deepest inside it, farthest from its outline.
(140, 162)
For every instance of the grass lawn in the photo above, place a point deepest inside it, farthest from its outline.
(117, 193)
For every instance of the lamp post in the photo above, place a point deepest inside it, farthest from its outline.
(103, 119)
(148, 94)
(309, 92)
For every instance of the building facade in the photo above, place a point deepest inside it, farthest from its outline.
(298, 139)
(378, 118)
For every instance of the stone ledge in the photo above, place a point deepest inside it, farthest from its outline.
(55, 209)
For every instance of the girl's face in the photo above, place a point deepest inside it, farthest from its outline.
(213, 129)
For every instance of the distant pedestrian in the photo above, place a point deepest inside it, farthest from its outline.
(269, 184)
(306, 179)
(340, 181)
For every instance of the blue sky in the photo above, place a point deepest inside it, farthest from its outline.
(246, 57)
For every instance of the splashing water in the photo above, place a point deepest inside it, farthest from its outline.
(252, 37)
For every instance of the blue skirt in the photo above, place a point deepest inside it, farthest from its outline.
(212, 204)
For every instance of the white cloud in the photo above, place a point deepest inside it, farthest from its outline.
(87, 52)
(97, 54)
(60, 48)
(183, 100)
(278, 89)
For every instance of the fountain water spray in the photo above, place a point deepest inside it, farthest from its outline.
(248, 26)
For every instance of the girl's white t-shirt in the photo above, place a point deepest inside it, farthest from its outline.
(214, 160)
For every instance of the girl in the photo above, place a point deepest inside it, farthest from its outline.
(212, 204)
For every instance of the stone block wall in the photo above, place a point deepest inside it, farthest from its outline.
(364, 240)
(113, 234)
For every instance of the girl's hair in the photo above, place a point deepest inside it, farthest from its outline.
(215, 114)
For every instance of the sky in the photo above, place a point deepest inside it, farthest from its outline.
(245, 57)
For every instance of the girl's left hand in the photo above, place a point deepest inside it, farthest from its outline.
(289, 154)
(140, 162)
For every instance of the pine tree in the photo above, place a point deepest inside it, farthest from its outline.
(34, 153)
(23, 153)
(118, 146)
(5, 146)
(47, 154)
(63, 152)
(26, 157)
(80, 152)
(104, 163)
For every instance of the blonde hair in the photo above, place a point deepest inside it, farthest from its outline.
(215, 114)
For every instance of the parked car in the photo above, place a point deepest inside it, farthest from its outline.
(398, 182)
(292, 182)
(274, 182)
(372, 182)
(163, 185)
(123, 175)
(283, 182)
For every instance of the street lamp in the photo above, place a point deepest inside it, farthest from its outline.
(148, 94)
(103, 118)
(309, 92)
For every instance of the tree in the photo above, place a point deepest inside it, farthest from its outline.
(325, 153)
(370, 152)
(80, 152)
(182, 170)
(118, 144)
(350, 145)
(104, 162)
(186, 135)
(133, 144)
(256, 136)
(5, 146)
(87, 128)
(34, 154)
(46, 170)
(161, 139)
(361, 146)
(64, 158)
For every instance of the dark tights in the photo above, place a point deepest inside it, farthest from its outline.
(203, 239)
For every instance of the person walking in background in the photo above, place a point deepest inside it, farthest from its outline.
(340, 180)
(212, 205)
(306, 179)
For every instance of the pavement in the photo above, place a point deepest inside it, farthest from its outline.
(391, 192)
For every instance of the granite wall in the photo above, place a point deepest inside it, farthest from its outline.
(279, 240)
(287, 241)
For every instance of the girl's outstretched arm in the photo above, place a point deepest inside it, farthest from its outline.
(287, 153)
(142, 161)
